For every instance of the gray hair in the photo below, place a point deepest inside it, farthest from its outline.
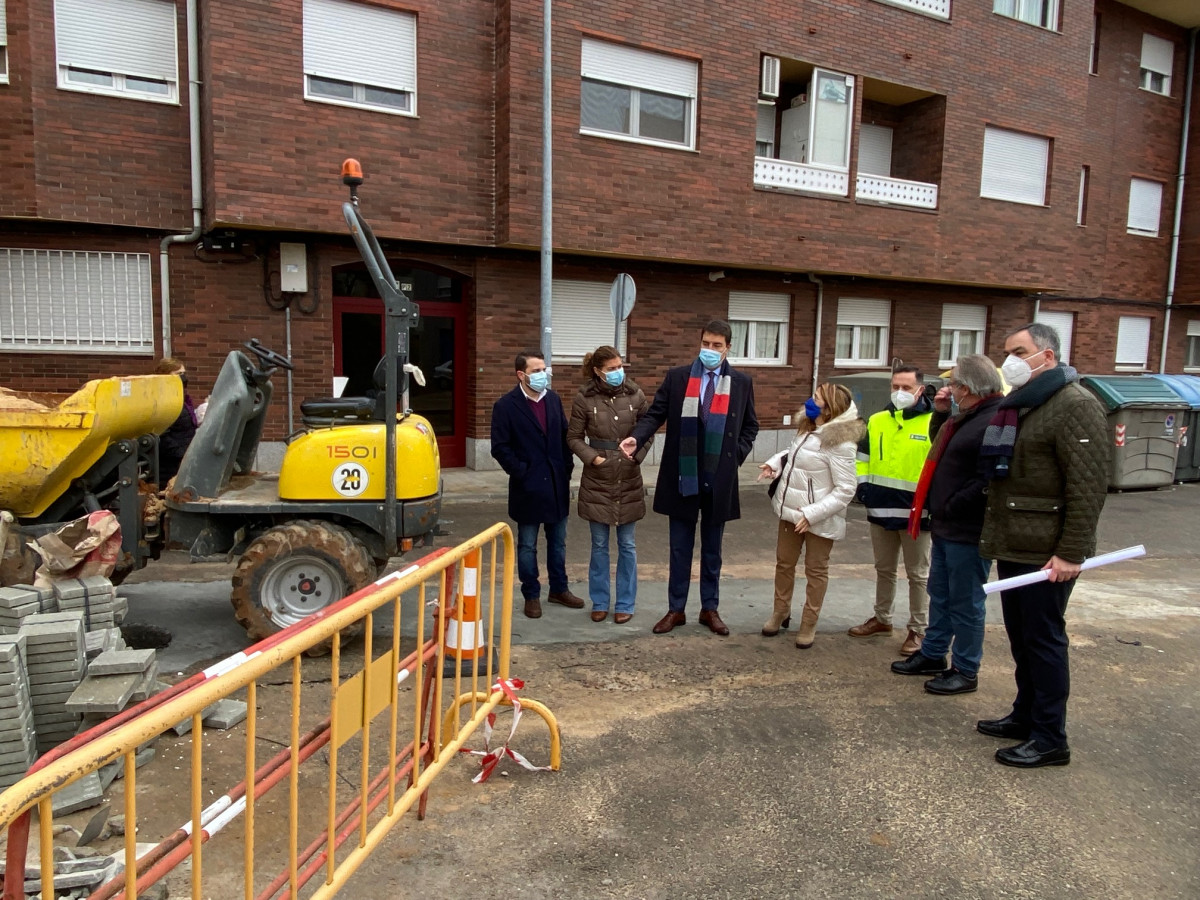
(977, 374)
(1044, 337)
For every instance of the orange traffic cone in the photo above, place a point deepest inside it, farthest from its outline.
(464, 637)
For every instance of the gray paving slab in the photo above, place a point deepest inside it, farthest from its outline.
(96, 584)
(15, 757)
(121, 662)
(103, 693)
(145, 687)
(226, 714)
(49, 618)
(69, 588)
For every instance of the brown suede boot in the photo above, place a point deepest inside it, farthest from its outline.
(781, 617)
(808, 626)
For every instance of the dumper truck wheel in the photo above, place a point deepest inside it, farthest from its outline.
(293, 570)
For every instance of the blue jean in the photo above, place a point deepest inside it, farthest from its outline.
(956, 604)
(556, 558)
(682, 536)
(599, 580)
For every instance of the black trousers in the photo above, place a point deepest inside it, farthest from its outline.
(1034, 617)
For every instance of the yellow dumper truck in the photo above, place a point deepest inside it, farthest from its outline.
(341, 506)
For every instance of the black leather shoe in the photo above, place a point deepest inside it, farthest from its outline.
(1030, 756)
(1007, 728)
(919, 664)
(952, 681)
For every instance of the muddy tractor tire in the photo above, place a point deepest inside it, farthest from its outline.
(293, 570)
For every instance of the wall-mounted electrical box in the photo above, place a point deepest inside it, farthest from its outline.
(293, 268)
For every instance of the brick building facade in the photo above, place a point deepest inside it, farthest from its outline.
(983, 168)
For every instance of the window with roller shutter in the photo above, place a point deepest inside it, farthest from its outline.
(582, 320)
(1064, 324)
(126, 48)
(1158, 58)
(760, 327)
(633, 94)
(1145, 207)
(3, 45)
(378, 74)
(862, 332)
(963, 328)
(1133, 342)
(1015, 166)
(75, 301)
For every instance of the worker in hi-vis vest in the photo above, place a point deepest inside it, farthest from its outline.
(890, 460)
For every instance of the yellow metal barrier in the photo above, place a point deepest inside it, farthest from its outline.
(348, 732)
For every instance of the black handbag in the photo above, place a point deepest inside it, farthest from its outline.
(774, 486)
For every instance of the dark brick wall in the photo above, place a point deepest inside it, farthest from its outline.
(80, 157)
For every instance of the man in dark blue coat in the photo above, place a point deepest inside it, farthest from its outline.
(708, 409)
(529, 441)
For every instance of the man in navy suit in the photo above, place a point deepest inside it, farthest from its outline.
(708, 409)
(529, 441)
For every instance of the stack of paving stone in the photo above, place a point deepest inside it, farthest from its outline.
(18, 744)
(114, 679)
(55, 660)
(16, 603)
(93, 595)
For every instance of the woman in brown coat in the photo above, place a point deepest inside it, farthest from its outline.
(610, 491)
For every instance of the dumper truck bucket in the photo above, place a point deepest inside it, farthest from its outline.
(49, 440)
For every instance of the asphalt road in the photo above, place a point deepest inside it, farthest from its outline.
(696, 766)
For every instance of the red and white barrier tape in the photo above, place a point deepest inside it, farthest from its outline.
(492, 758)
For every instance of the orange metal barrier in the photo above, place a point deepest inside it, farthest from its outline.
(408, 682)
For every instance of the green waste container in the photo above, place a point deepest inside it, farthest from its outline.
(1187, 434)
(1144, 415)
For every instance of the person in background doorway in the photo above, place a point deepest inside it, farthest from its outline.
(173, 443)
(611, 493)
(529, 441)
(953, 488)
(1048, 457)
(708, 408)
(816, 484)
(889, 464)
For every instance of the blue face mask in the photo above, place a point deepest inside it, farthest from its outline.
(811, 409)
(615, 378)
(539, 381)
(709, 358)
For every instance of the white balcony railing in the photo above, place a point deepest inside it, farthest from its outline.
(783, 175)
(895, 191)
(937, 8)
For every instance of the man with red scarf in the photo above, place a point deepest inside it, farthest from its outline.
(953, 487)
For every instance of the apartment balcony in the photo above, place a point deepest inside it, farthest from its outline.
(784, 175)
(938, 9)
(896, 191)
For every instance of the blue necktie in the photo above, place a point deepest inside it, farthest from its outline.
(706, 400)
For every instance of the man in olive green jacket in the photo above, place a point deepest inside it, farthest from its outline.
(1047, 453)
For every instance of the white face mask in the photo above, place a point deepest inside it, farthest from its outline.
(903, 399)
(1017, 371)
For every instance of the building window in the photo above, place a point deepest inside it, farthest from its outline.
(3, 46)
(122, 47)
(1145, 207)
(1064, 324)
(379, 73)
(581, 320)
(764, 132)
(1015, 166)
(1043, 13)
(637, 95)
(963, 327)
(760, 327)
(72, 301)
(862, 332)
(1158, 57)
(1094, 48)
(1133, 342)
(1191, 359)
(1085, 178)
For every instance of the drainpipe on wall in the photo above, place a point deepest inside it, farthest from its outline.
(1180, 180)
(193, 54)
(817, 338)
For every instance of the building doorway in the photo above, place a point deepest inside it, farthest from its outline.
(438, 345)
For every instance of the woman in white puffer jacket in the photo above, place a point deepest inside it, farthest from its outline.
(817, 481)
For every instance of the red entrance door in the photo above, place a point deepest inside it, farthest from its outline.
(438, 345)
